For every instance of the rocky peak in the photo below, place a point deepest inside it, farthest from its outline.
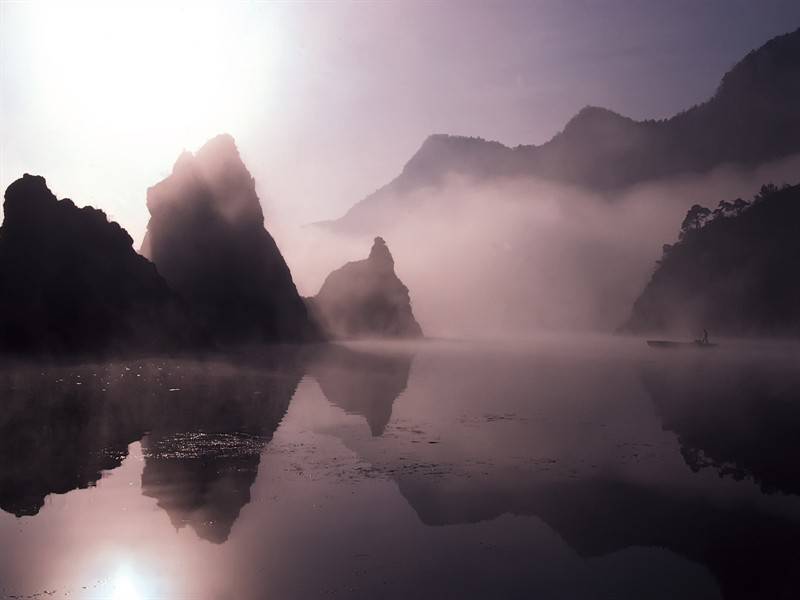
(365, 298)
(206, 235)
(380, 256)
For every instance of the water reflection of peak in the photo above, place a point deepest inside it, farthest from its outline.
(61, 426)
(362, 383)
(750, 552)
(537, 461)
(738, 415)
(58, 431)
(203, 453)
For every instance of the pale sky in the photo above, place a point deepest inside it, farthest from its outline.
(327, 101)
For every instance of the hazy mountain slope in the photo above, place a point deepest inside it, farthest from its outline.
(750, 120)
(365, 298)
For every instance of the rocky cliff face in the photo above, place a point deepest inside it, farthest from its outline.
(365, 298)
(71, 282)
(732, 271)
(206, 235)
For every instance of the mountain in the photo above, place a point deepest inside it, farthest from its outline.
(365, 298)
(751, 119)
(732, 271)
(71, 282)
(206, 235)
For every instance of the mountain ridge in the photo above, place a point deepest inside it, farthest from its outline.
(747, 121)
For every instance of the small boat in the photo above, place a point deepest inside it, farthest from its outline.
(671, 344)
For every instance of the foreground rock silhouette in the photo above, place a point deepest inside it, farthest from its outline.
(365, 298)
(730, 272)
(71, 282)
(206, 235)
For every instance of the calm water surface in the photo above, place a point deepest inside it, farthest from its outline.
(553, 469)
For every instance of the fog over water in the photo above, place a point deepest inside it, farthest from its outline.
(521, 256)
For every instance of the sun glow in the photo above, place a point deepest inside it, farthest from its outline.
(175, 73)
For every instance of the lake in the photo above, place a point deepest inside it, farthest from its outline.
(553, 468)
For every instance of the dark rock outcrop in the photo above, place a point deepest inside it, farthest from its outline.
(71, 282)
(749, 121)
(732, 271)
(365, 298)
(206, 235)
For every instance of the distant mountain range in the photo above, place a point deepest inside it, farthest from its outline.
(751, 119)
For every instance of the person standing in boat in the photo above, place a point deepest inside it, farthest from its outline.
(704, 341)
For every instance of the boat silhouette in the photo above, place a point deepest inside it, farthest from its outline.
(673, 344)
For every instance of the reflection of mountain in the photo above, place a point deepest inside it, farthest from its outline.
(207, 421)
(362, 383)
(739, 416)
(752, 554)
(202, 455)
(532, 464)
(58, 431)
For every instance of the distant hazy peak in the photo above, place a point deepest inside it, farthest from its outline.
(380, 255)
(593, 116)
(761, 66)
(365, 298)
(441, 154)
(752, 119)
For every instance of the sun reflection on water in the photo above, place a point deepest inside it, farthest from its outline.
(127, 586)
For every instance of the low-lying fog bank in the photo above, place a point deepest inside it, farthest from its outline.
(522, 256)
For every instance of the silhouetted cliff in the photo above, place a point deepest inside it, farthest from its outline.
(206, 235)
(731, 271)
(750, 120)
(70, 280)
(365, 298)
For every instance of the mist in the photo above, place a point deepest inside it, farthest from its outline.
(521, 256)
